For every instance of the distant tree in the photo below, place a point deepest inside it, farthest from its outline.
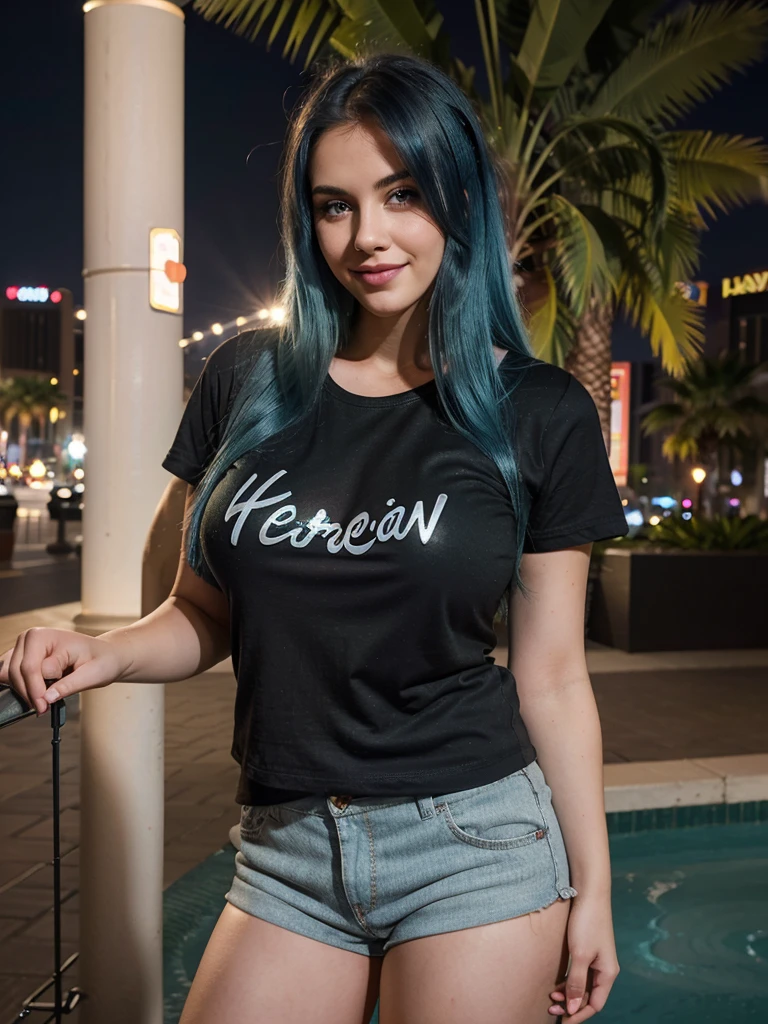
(715, 409)
(28, 400)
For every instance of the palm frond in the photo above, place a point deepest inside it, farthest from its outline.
(580, 259)
(679, 249)
(716, 171)
(662, 417)
(685, 448)
(346, 25)
(672, 324)
(684, 59)
(541, 325)
(555, 36)
(551, 326)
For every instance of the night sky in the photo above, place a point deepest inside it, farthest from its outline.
(238, 97)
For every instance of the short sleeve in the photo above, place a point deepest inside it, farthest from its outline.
(204, 416)
(201, 427)
(578, 501)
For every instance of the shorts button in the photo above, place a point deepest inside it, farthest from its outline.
(341, 801)
(540, 834)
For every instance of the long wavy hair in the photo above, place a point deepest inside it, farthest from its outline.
(439, 137)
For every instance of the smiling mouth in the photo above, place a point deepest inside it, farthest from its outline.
(378, 276)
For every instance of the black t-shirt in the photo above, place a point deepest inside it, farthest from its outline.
(364, 556)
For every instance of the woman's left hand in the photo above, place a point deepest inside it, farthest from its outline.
(594, 964)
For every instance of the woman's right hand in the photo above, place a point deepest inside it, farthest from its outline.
(73, 661)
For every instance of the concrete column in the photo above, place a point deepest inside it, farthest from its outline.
(134, 181)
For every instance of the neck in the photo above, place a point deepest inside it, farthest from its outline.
(396, 344)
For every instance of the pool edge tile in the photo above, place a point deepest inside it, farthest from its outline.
(746, 776)
(644, 785)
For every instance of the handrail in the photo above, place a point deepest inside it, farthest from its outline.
(12, 710)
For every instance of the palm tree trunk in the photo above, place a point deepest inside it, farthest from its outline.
(589, 360)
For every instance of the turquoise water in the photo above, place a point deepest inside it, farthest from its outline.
(691, 920)
(690, 914)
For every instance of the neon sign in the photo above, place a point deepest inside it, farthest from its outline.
(749, 284)
(28, 294)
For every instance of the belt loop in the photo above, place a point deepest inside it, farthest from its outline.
(426, 807)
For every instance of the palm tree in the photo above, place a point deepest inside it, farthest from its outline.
(714, 410)
(605, 201)
(28, 400)
(654, 78)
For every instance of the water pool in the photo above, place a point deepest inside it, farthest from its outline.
(691, 918)
(690, 912)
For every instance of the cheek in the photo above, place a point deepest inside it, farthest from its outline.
(329, 242)
(429, 244)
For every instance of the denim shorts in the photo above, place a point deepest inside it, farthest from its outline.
(367, 873)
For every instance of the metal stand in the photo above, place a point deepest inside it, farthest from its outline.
(62, 1004)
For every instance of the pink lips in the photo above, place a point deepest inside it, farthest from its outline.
(381, 277)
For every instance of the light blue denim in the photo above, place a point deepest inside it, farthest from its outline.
(369, 874)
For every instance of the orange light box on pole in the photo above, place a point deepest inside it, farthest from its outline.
(620, 396)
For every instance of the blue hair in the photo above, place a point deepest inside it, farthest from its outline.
(439, 137)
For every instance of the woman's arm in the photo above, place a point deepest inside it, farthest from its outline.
(558, 706)
(559, 711)
(185, 635)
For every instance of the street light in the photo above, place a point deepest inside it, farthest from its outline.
(699, 476)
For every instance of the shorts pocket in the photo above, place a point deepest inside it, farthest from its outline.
(252, 821)
(501, 816)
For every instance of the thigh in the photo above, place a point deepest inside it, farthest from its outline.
(254, 972)
(498, 973)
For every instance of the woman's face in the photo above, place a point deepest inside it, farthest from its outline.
(388, 224)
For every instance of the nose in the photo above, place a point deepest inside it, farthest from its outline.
(370, 232)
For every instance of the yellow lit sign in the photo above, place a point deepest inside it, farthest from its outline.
(749, 284)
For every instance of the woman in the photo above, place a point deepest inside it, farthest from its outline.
(364, 483)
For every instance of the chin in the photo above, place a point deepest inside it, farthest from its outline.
(388, 305)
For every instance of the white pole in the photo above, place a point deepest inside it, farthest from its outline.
(134, 181)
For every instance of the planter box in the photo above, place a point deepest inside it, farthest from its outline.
(681, 600)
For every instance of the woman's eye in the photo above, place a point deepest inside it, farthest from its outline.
(407, 193)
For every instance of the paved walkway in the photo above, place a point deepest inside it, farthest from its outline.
(653, 708)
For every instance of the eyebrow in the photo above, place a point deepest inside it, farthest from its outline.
(332, 190)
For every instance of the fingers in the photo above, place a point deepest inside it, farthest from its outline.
(581, 1015)
(584, 1012)
(4, 661)
(36, 649)
(601, 986)
(576, 984)
(86, 677)
(590, 1003)
(70, 661)
(15, 677)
